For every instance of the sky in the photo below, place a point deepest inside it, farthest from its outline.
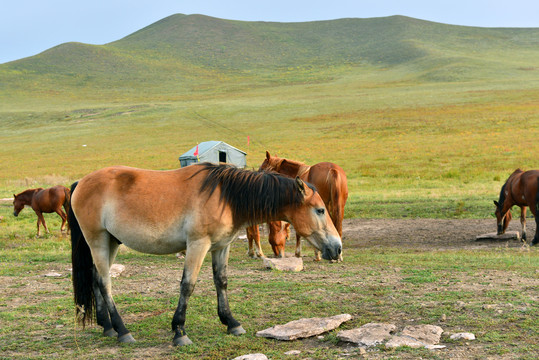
(28, 27)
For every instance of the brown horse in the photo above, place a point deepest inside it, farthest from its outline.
(329, 180)
(198, 208)
(279, 232)
(520, 189)
(44, 201)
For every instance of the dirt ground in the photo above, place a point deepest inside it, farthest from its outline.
(420, 234)
(425, 234)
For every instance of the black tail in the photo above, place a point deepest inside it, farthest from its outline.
(83, 265)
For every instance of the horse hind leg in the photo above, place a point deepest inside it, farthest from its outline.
(103, 260)
(523, 222)
(102, 314)
(64, 219)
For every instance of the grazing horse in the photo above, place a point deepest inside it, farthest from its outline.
(520, 189)
(198, 208)
(279, 232)
(44, 201)
(329, 180)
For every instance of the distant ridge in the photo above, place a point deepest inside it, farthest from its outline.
(192, 48)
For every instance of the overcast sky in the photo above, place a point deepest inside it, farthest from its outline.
(28, 27)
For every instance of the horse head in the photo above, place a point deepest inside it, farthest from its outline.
(502, 219)
(18, 205)
(312, 221)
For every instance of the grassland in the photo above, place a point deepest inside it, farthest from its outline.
(426, 119)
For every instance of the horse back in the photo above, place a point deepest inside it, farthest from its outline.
(50, 199)
(331, 183)
(136, 204)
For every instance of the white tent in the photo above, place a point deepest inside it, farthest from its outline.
(215, 152)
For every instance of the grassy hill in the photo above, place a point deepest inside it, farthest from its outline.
(180, 53)
(427, 119)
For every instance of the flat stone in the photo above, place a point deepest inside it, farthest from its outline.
(252, 357)
(508, 235)
(370, 334)
(293, 352)
(52, 274)
(304, 328)
(116, 270)
(428, 334)
(462, 336)
(293, 264)
(398, 341)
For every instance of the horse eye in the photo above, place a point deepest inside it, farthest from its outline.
(320, 211)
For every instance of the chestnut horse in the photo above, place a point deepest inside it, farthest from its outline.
(520, 189)
(279, 232)
(44, 201)
(329, 180)
(198, 208)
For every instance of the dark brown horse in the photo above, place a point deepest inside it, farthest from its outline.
(328, 178)
(44, 201)
(520, 189)
(198, 208)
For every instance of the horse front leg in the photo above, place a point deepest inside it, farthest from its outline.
(194, 256)
(40, 219)
(298, 246)
(220, 278)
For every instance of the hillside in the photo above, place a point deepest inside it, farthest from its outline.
(180, 53)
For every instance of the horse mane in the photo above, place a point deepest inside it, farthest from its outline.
(254, 196)
(501, 199)
(290, 168)
(28, 194)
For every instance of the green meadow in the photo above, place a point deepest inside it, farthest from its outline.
(427, 120)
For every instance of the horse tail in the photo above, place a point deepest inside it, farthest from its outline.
(83, 268)
(337, 184)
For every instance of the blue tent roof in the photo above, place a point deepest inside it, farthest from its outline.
(202, 148)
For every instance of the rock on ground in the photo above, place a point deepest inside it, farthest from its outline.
(428, 334)
(116, 270)
(462, 336)
(252, 357)
(416, 336)
(284, 264)
(304, 328)
(508, 235)
(370, 334)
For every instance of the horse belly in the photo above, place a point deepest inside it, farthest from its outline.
(150, 237)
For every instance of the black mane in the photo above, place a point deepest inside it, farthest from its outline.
(502, 196)
(254, 196)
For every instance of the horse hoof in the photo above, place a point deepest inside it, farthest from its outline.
(126, 338)
(182, 341)
(238, 330)
(110, 333)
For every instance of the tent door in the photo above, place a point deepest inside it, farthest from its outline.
(222, 156)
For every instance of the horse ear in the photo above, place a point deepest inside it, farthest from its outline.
(268, 156)
(496, 203)
(300, 185)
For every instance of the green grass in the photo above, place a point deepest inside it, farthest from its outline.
(373, 284)
(423, 117)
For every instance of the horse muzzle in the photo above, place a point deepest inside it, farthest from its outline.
(500, 229)
(15, 214)
(332, 251)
